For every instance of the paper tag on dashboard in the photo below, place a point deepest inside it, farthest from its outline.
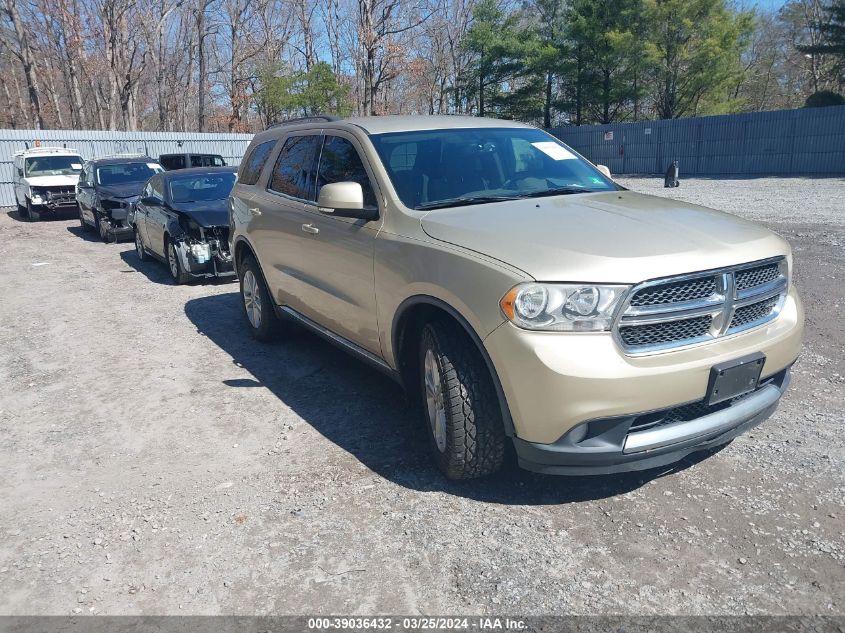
(153, 165)
(554, 151)
(75, 166)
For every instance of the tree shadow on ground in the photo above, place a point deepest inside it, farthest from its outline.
(368, 415)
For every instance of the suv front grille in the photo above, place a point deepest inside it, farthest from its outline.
(700, 307)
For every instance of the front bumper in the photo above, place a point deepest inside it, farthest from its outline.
(55, 201)
(554, 382)
(219, 265)
(614, 446)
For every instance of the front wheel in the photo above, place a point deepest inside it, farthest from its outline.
(177, 274)
(256, 301)
(102, 228)
(31, 214)
(139, 247)
(82, 221)
(465, 427)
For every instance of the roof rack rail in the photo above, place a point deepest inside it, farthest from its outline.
(305, 119)
(47, 150)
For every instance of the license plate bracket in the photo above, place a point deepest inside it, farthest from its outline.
(734, 378)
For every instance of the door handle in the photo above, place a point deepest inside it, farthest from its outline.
(310, 228)
(255, 211)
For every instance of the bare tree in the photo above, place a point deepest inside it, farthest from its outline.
(23, 52)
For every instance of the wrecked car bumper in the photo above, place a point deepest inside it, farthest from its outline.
(54, 201)
(205, 258)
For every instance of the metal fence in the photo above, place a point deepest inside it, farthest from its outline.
(780, 143)
(95, 144)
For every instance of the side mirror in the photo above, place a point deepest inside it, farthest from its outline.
(150, 201)
(20, 172)
(604, 170)
(344, 200)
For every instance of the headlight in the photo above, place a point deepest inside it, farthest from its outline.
(562, 307)
(201, 252)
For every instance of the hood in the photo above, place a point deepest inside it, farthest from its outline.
(52, 181)
(214, 213)
(125, 190)
(613, 237)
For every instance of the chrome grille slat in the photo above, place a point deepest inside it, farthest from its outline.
(666, 331)
(677, 292)
(699, 307)
(753, 312)
(757, 276)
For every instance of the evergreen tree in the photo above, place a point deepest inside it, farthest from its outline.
(695, 48)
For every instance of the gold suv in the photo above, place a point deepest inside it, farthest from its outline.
(517, 291)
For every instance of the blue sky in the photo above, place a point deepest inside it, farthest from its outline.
(763, 5)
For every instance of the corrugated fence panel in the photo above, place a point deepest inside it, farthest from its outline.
(96, 144)
(781, 143)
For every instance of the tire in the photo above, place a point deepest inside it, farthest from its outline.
(85, 226)
(460, 406)
(174, 266)
(139, 247)
(102, 229)
(256, 301)
(31, 214)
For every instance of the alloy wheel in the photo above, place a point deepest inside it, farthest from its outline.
(172, 261)
(252, 299)
(435, 406)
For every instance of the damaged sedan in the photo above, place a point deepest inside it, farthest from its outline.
(107, 190)
(182, 219)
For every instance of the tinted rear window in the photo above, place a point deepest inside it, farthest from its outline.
(253, 164)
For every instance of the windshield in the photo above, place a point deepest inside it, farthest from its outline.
(126, 173)
(53, 165)
(203, 188)
(442, 168)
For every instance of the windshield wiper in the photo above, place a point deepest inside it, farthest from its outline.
(464, 201)
(558, 191)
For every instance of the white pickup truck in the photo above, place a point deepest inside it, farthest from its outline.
(45, 180)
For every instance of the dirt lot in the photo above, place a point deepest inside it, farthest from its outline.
(156, 460)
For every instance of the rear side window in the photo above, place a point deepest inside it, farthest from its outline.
(340, 162)
(253, 164)
(174, 161)
(156, 188)
(293, 174)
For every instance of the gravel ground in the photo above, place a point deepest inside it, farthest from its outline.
(157, 461)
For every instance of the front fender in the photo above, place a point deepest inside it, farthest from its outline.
(470, 285)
